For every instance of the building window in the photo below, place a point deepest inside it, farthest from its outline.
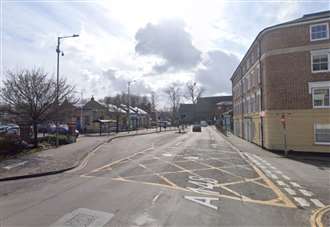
(322, 133)
(319, 32)
(321, 97)
(320, 61)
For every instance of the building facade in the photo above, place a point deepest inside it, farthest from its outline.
(281, 87)
(206, 109)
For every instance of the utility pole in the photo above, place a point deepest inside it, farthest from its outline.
(58, 51)
(129, 104)
(81, 111)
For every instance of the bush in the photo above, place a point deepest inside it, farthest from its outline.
(10, 144)
(62, 139)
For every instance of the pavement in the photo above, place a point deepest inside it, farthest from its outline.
(57, 160)
(172, 179)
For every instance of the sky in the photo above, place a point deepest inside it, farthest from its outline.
(154, 42)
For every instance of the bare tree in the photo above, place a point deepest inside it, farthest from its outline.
(174, 94)
(32, 96)
(193, 91)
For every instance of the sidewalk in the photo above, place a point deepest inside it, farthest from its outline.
(310, 171)
(59, 159)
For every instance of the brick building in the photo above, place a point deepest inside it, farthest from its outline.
(281, 87)
(206, 109)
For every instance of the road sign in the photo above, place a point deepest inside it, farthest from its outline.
(262, 114)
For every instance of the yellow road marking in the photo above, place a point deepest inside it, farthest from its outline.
(316, 218)
(119, 160)
(286, 202)
(274, 188)
(238, 182)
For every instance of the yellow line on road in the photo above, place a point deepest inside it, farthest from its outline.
(238, 182)
(316, 218)
(275, 189)
(120, 160)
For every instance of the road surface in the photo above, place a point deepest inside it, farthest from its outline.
(170, 179)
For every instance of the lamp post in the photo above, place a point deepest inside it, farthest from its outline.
(58, 51)
(128, 104)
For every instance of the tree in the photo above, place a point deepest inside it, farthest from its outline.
(174, 94)
(193, 91)
(32, 96)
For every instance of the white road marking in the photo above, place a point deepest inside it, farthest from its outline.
(84, 217)
(202, 184)
(156, 197)
(286, 177)
(294, 184)
(317, 203)
(167, 155)
(290, 191)
(274, 176)
(9, 167)
(206, 201)
(205, 179)
(272, 167)
(278, 171)
(281, 183)
(191, 158)
(305, 192)
(301, 201)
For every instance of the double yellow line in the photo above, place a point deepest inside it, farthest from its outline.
(316, 218)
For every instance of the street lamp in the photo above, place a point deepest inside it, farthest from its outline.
(58, 51)
(129, 103)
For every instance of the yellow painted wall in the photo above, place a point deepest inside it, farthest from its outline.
(300, 129)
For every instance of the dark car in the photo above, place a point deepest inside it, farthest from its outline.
(197, 128)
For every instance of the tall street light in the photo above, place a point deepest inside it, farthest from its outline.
(58, 51)
(129, 104)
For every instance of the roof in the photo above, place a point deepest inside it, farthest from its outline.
(214, 99)
(115, 109)
(93, 105)
(305, 18)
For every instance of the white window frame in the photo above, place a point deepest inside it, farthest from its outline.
(318, 85)
(322, 107)
(315, 25)
(319, 143)
(317, 53)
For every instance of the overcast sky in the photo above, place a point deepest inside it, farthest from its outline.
(151, 41)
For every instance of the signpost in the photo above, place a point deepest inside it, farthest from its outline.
(283, 121)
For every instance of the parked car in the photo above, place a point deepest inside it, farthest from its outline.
(204, 124)
(196, 128)
(62, 129)
(11, 129)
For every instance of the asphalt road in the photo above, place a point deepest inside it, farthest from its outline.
(170, 179)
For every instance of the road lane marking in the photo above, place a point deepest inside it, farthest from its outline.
(206, 201)
(167, 155)
(273, 176)
(317, 203)
(281, 183)
(9, 167)
(305, 192)
(120, 160)
(290, 191)
(278, 172)
(316, 218)
(286, 177)
(301, 201)
(294, 184)
(156, 197)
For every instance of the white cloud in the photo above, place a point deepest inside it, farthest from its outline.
(103, 58)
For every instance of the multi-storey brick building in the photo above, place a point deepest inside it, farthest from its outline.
(281, 87)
